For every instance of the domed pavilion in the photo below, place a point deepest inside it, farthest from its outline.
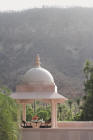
(38, 84)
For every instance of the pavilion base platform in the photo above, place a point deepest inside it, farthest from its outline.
(67, 131)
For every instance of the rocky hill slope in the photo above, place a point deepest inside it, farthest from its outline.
(62, 37)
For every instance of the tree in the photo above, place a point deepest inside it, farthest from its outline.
(87, 112)
(78, 101)
(29, 112)
(70, 104)
(8, 118)
(43, 114)
(64, 112)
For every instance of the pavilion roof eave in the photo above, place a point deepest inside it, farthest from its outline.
(38, 96)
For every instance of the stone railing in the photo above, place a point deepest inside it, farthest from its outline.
(75, 124)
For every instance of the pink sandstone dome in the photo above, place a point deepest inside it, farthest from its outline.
(38, 75)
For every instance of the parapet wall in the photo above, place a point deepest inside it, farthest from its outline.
(57, 134)
(67, 131)
(75, 124)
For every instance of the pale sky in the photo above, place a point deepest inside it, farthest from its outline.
(26, 4)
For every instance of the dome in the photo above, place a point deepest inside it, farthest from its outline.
(38, 75)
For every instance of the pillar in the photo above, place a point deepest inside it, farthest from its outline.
(18, 115)
(53, 114)
(24, 112)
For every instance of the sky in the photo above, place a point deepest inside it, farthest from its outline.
(27, 4)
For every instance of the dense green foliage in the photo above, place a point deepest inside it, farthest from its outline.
(29, 112)
(87, 113)
(43, 112)
(8, 117)
(68, 111)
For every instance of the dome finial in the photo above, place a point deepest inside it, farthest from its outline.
(38, 60)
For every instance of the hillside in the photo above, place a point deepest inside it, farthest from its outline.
(62, 37)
